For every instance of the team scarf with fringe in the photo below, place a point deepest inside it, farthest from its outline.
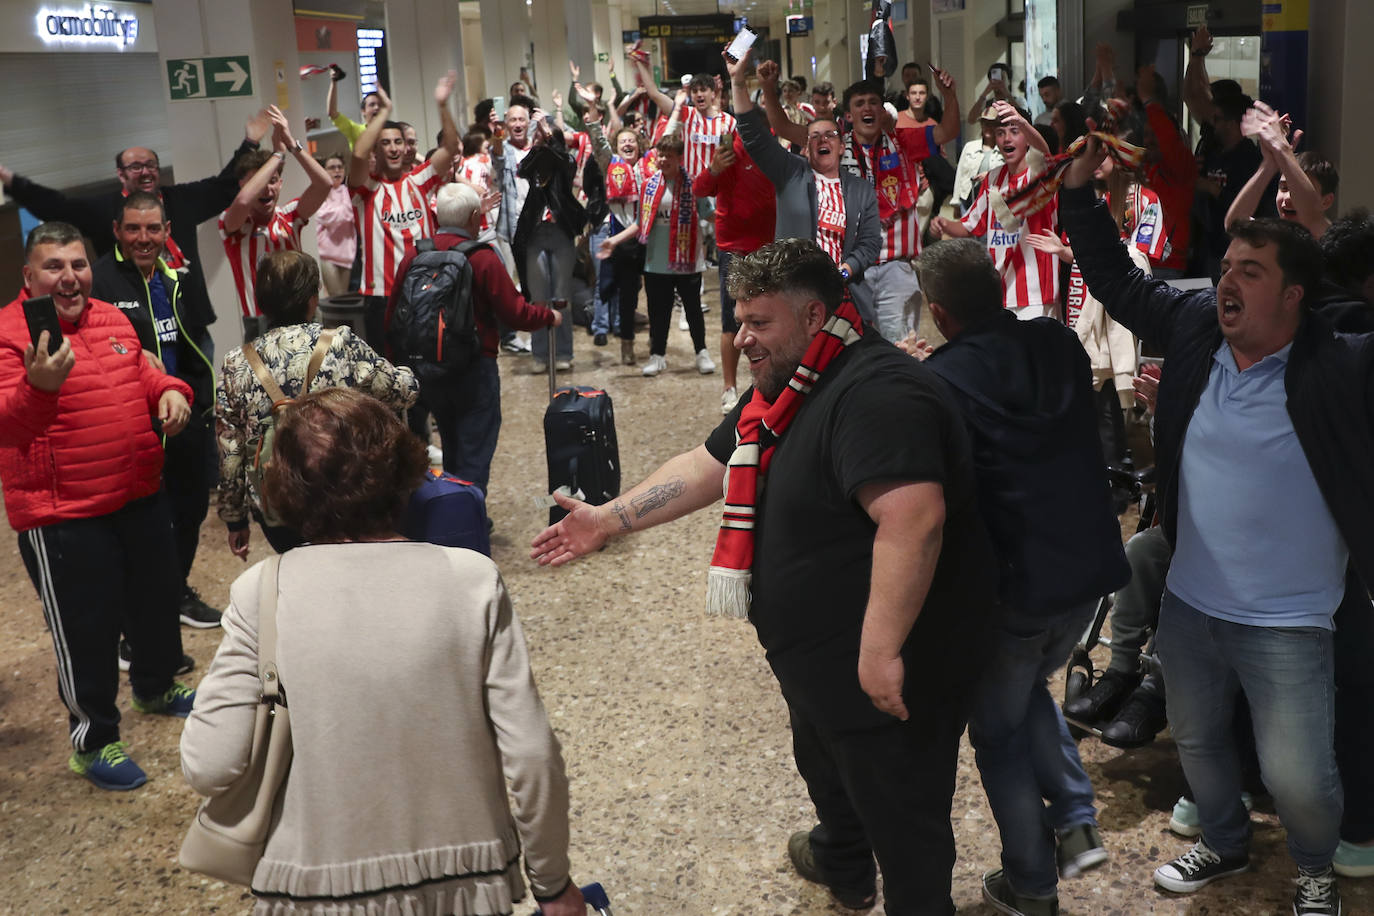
(761, 424)
(893, 176)
(1035, 196)
(682, 221)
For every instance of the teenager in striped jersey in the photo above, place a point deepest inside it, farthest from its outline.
(254, 225)
(1030, 278)
(703, 121)
(391, 203)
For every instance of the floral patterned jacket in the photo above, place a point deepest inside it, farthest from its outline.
(242, 406)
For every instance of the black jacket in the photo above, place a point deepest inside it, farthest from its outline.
(187, 205)
(119, 282)
(1329, 379)
(550, 169)
(1025, 391)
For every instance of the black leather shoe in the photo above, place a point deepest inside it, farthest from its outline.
(1138, 722)
(1103, 699)
(804, 861)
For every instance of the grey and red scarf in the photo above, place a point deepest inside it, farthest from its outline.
(761, 424)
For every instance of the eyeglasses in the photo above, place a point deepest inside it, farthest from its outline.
(824, 135)
(139, 167)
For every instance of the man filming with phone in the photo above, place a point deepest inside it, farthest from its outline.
(80, 466)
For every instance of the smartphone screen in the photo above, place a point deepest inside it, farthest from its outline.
(41, 315)
(742, 43)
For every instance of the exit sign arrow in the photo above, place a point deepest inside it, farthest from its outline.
(233, 74)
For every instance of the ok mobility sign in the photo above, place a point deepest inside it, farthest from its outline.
(209, 77)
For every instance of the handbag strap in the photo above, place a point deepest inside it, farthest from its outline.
(269, 384)
(267, 630)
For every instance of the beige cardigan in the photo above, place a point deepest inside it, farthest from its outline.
(412, 704)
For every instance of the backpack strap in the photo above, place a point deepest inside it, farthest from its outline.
(322, 345)
(423, 245)
(265, 379)
(267, 630)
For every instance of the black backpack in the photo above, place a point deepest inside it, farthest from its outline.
(434, 325)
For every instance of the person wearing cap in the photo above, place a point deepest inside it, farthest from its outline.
(977, 159)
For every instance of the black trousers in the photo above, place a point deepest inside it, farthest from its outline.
(658, 289)
(886, 792)
(189, 469)
(629, 276)
(97, 577)
(374, 322)
(1354, 642)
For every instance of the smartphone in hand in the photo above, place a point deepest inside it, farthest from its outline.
(742, 43)
(41, 315)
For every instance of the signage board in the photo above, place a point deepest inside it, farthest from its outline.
(195, 78)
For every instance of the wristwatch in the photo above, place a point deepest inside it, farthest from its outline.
(844, 272)
(299, 146)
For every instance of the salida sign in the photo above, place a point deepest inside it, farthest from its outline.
(93, 24)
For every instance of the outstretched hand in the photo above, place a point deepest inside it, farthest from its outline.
(258, 125)
(577, 534)
(444, 88)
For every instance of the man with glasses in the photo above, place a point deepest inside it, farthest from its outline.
(814, 191)
(187, 205)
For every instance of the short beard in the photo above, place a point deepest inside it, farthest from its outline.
(782, 366)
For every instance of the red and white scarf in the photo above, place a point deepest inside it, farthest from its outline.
(760, 426)
(894, 177)
(682, 221)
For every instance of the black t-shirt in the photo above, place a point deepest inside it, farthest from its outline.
(876, 415)
(1233, 169)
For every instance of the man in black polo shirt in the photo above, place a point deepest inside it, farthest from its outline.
(863, 566)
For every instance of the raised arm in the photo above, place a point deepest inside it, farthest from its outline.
(237, 213)
(782, 125)
(949, 127)
(1252, 194)
(1012, 118)
(684, 484)
(773, 161)
(449, 146)
(331, 99)
(646, 80)
(1197, 88)
(1269, 129)
(314, 195)
(360, 165)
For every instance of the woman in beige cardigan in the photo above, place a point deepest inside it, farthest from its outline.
(412, 702)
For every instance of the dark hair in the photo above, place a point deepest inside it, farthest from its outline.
(1075, 121)
(142, 200)
(1299, 257)
(800, 81)
(392, 125)
(787, 266)
(824, 88)
(960, 276)
(54, 232)
(1233, 107)
(284, 285)
(919, 81)
(701, 81)
(472, 142)
(524, 102)
(1051, 138)
(368, 95)
(1318, 168)
(1223, 88)
(1047, 81)
(119, 158)
(343, 467)
(671, 143)
(249, 163)
(481, 112)
(1348, 249)
(862, 87)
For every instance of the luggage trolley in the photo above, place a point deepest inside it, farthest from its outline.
(1081, 674)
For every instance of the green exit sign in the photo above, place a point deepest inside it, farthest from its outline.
(209, 78)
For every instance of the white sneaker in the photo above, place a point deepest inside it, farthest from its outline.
(654, 366)
(704, 364)
(728, 400)
(562, 365)
(436, 456)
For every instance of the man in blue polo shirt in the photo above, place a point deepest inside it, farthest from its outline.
(1262, 430)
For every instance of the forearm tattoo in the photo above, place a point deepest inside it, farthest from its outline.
(657, 497)
(618, 508)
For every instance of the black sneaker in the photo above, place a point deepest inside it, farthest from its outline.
(804, 861)
(126, 658)
(1197, 868)
(1078, 849)
(1317, 894)
(999, 894)
(195, 612)
(1138, 722)
(1103, 699)
(599, 340)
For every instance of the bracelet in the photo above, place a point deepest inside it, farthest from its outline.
(279, 156)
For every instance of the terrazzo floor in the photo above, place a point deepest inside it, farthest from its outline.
(675, 736)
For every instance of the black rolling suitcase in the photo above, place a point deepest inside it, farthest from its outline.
(579, 437)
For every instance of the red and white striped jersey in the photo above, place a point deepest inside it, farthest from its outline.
(1029, 277)
(830, 218)
(700, 137)
(251, 243)
(392, 215)
(1143, 223)
(902, 234)
(476, 171)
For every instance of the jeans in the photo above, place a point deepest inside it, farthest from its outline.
(548, 275)
(1136, 607)
(627, 266)
(893, 284)
(1287, 675)
(1023, 748)
(467, 410)
(658, 289)
(605, 314)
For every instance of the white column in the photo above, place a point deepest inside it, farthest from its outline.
(424, 41)
(505, 43)
(202, 134)
(562, 31)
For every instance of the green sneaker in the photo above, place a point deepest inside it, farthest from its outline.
(176, 701)
(109, 767)
(999, 894)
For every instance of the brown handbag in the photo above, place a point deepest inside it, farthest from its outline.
(229, 834)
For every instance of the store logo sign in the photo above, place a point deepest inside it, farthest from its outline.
(96, 24)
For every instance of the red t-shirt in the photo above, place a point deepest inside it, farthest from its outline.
(746, 203)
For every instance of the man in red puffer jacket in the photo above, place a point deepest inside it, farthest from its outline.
(80, 465)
